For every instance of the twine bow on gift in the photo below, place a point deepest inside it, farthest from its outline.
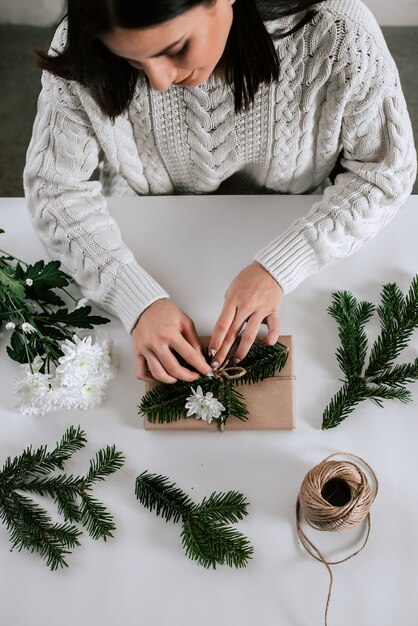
(230, 372)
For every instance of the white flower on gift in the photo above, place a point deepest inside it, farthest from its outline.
(10, 325)
(81, 302)
(27, 328)
(205, 407)
(29, 282)
(80, 361)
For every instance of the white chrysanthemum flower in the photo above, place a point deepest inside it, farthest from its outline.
(27, 328)
(81, 360)
(79, 381)
(10, 325)
(32, 391)
(81, 302)
(109, 363)
(29, 282)
(91, 394)
(205, 407)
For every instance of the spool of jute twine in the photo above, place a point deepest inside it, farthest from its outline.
(335, 496)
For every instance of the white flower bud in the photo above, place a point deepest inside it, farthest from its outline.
(29, 282)
(80, 303)
(27, 328)
(10, 325)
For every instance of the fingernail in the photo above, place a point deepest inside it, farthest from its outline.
(215, 365)
(212, 352)
(236, 360)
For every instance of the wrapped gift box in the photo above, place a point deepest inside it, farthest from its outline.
(270, 402)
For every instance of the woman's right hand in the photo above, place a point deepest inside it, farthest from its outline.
(162, 327)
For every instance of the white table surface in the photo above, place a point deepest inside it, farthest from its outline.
(194, 246)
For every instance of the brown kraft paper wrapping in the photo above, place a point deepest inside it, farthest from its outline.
(270, 402)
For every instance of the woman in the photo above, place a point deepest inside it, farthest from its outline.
(203, 96)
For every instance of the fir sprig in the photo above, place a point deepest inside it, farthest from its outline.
(206, 536)
(381, 379)
(29, 525)
(165, 403)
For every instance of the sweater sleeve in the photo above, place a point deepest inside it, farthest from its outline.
(68, 210)
(380, 163)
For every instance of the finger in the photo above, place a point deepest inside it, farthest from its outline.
(191, 356)
(248, 337)
(230, 337)
(273, 333)
(191, 336)
(157, 370)
(142, 371)
(222, 327)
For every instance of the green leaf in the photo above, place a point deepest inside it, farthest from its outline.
(47, 276)
(17, 350)
(13, 286)
(79, 318)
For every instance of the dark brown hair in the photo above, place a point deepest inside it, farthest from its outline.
(249, 58)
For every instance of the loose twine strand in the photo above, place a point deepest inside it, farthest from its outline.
(321, 514)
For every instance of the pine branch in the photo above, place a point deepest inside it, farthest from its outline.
(156, 493)
(29, 525)
(399, 318)
(213, 544)
(97, 520)
(232, 399)
(262, 362)
(221, 507)
(381, 380)
(205, 536)
(107, 461)
(351, 317)
(398, 375)
(31, 528)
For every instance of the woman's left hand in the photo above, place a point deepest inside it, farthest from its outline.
(253, 296)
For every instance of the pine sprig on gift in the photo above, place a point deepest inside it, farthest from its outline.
(381, 379)
(165, 403)
(206, 537)
(29, 525)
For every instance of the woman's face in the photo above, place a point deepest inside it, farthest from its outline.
(181, 51)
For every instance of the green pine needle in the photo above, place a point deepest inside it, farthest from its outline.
(381, 379)
(205, 536)
(213, 544)
(29, 525)
(156, 493)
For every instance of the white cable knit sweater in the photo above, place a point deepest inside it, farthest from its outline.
(338, 89)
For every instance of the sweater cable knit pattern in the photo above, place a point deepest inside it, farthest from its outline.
(338, 90)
